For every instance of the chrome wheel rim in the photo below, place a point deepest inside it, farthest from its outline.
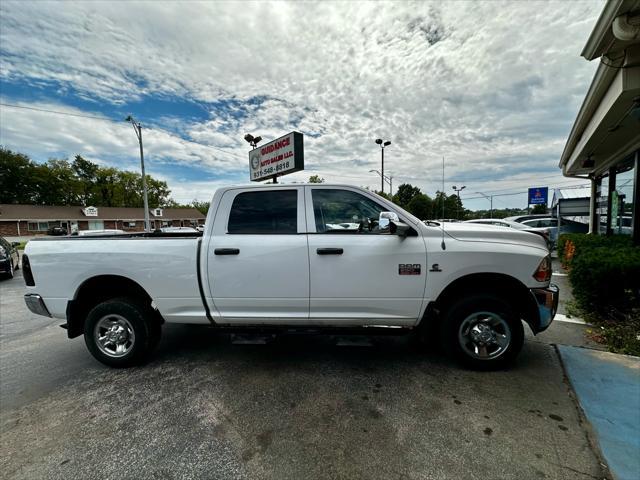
(114, 336)
(484, 335)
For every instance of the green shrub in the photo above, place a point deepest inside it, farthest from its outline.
(605, 276)
(571, 244)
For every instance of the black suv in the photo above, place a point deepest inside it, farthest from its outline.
(9, 258)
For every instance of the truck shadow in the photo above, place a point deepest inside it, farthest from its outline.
(369, 353)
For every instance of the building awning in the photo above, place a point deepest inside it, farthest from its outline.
(606, 128)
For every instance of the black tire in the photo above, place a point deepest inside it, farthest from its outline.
(492, 322)
(135, 322)
(9, 274)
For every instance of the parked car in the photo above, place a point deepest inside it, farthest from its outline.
(270, 259)
(200, 228)
(57, 231)
(499, 222)
(522, 218)
(9, 258)
(178, 229)
(94, 233)
(566, 226)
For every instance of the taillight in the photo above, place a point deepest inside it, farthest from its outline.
(543, 272)
(26, 272)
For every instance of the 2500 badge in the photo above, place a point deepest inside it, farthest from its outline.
(409, 269)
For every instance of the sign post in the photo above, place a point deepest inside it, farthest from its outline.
(279, 157)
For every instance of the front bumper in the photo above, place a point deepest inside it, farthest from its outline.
(547, 300)
(35, 303)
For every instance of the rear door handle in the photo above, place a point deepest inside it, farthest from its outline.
(329, 251)
(226, 251)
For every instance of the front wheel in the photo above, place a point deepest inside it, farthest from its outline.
(121, 332)
(482, 332)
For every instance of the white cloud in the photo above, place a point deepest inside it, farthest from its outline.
(492, 86)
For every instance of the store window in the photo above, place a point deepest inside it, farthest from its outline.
(95, 225)
(38, 226)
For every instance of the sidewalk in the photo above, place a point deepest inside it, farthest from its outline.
(608, 389)
(607, 385)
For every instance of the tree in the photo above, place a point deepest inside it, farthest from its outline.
(405, 194)
(203, 207)
(421, 206)
(452, 206)
(385, 195)
(316, 179)
(59, 182)
(16, 177)
(540, 208)
(86, 172)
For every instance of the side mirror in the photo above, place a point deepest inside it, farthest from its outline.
(399, 228)
(386, 218)
(15, 244)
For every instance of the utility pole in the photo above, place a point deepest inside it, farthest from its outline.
(490, 198)
(137, 127)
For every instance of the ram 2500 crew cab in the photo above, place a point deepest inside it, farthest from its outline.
(299, 257)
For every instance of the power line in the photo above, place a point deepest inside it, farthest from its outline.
(56, 112)
(110, 120)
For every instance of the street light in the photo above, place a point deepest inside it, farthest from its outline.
(382, 145)
(137, 127)
(388, 179)
(490, 198)
(458, 190)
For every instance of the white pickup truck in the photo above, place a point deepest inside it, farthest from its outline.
(285, 257)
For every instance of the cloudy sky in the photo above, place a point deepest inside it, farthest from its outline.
(493, 87)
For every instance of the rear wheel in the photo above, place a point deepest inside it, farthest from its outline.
(482, 332)
(121, 332)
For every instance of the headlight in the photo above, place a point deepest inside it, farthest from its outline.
(3, 253)
(543, 272)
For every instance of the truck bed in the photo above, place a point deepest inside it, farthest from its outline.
(163, 264)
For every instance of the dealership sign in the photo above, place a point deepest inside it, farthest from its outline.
(538, 195)
(281, 156)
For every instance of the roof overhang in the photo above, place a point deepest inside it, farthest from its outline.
(605, 129)
(602, 39)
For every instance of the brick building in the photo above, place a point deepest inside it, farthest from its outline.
(29, 220)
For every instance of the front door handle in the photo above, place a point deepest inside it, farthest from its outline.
(329, 251)
(226, 251)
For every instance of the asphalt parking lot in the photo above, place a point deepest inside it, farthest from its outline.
(300, 407)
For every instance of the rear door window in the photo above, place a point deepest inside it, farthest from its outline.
(271, 212)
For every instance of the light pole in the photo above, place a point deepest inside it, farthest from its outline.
(458, 190)
(382, 145)
(490, 198)
(389, 180)
(137, 127)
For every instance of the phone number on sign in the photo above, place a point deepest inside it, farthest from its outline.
(271, 170)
